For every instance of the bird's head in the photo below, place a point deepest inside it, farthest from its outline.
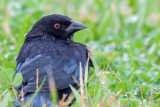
(59, 26)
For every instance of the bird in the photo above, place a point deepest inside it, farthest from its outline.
(49, 48)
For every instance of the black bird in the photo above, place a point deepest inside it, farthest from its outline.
(49, 47)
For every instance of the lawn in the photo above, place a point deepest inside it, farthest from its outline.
(123, 36)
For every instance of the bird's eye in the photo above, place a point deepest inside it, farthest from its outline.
(57, 26)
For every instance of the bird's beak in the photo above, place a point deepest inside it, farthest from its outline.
(75, 26)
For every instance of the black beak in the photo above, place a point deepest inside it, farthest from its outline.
(75, 26)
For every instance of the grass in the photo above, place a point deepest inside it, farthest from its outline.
(123, 35)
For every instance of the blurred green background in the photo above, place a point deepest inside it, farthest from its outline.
(121, 34)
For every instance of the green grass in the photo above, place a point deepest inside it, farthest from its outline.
(121, 34)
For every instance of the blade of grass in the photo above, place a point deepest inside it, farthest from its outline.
(70, 98)
(118, 104)
(37, 78)
(86, 79)
(156, 90)
(0, 90)
(140, 89)
(114, 74)
(150, 96)
(35, 93)
(62, 100)
(45, 105)
(22, 96)
(5, 100)
(14, 91)
(77, 95)
(103, 100)
(81, 86)
(52, 86)
(111, 99)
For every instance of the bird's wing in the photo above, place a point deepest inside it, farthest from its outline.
(62, 69)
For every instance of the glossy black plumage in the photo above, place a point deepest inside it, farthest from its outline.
(51, 50)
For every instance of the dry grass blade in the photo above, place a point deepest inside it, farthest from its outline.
(37, 78)
(68, 100)
(114, 74)
(62, 100)
(14, 91)
(86, 78)
(44, 105)
(127, 92)
(140, 89)
(156, 101)
(118, 104)
(156, 90)
(22, 96)
(6, 28)
(150, 96)
(81, 86)
(103, 100)
(52, 86)
(111, 99)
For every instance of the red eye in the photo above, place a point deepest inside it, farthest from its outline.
(57, 25)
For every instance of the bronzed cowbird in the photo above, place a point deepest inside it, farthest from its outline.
(49, 47)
